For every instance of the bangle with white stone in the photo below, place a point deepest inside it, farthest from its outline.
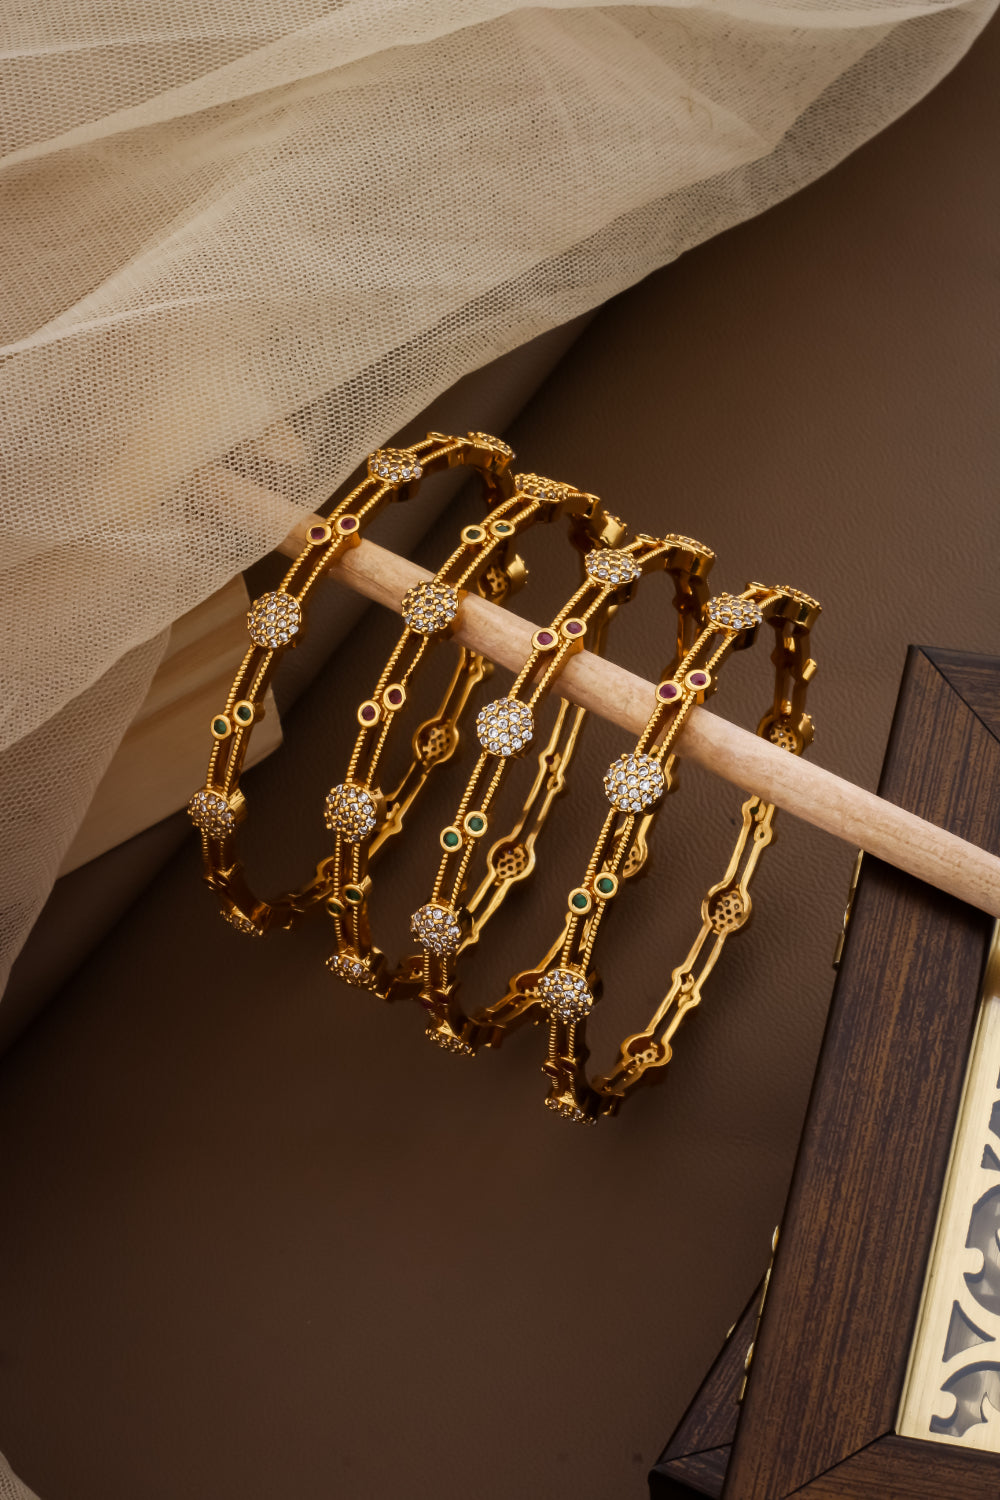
(449, 922)
(274, 624)
(567, 983)
(356, 811)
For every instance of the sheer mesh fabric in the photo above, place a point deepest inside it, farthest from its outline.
(215, 216)
(11, 1487)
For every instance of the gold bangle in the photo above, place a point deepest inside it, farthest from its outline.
(274, 623)
(566, 985)
(356, 811)
(362, 819)
(506, 729)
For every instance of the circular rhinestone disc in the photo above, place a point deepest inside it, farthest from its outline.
(350, 811)
(611, 565)
(351, 969)
(437, 927)
(210, 811)
(429, 607)
(274, 619)
(394, 464)
(537, 487)
(732, 613)
(505, 726)
(634, 783)
(566, 994)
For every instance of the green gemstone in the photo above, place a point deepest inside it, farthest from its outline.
(451, 839)
(244, 714)
(605, 885)
(476, 824)
(220, 725)
(352, 894)
(474, 534)
(580, 901)
(503, 528)
(335, 907)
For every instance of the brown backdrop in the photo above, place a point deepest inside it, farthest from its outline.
(259, 1236)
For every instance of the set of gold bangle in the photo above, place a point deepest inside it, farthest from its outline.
(478, 863)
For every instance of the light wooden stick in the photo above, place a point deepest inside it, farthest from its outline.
(817, 796)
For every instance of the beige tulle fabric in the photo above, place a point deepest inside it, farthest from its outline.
(11, 1487)
(215, 215)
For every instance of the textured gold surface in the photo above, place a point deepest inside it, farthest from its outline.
(273, 624)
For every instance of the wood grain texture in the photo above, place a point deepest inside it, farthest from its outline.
(698, 1451)
(974, 679)
(694, 1477)
(831, 1353)
(895, 1468)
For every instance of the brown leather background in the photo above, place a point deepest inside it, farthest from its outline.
(259, 1237)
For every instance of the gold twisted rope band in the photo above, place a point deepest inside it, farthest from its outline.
(444, 926)
(566, 985)
(356, 812)
(274, 624)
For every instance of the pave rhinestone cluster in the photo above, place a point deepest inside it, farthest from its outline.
(274, 619)
(730, 612)
(633, 783)
(538, 488)
(210, 811)
(437, 927)
(505, 726)
(797, 595)
(688, 541)
(566, 994)
(351, 970)
(242, 924)
(350, 811)
(489, 441)
(567, 1111)
(450, 1043)
(394, 464)
(430, 607)
(612, 565)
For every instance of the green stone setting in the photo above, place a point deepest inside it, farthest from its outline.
(354, 894)
(476, 823)
(606, 885)
(450, 839)
(221, 726)
(244, 714)
(579, 901)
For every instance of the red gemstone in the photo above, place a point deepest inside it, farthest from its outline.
(698, 679)
(573, 627)
(545, 638)
(668, 691)
(394, 696)
(368, 713)
(317, 533)
(348, 523)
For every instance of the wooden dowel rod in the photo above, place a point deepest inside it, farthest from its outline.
(817, 796)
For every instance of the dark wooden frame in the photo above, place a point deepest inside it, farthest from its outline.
(831, 1352)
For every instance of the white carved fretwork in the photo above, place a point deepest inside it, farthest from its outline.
(952, 1389)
